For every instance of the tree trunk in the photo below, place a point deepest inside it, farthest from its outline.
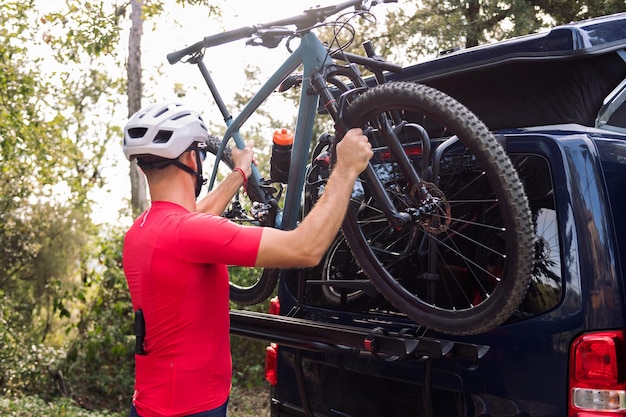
(472, 16)
(138, 188)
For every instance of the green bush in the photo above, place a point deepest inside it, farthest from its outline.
(28, 367)
(35, 406)
(99, 367)
(249, 354)
(248, 362)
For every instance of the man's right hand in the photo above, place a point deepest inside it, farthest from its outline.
(309, 242)
(353, 152)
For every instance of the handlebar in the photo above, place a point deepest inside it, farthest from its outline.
(302, 21)
(213, 40)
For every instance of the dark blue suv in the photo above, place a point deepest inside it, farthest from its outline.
(555, 101)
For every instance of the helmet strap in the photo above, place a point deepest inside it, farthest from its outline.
(200, 180)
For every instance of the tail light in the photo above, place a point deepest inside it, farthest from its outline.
(597, 382)
(271, 368)
(274, 306)
(271, 352)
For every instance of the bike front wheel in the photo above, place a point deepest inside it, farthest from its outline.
(247, 285)
(463, 262)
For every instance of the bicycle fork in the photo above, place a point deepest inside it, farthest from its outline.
(397, 220)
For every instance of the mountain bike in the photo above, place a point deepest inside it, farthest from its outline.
(438, 222)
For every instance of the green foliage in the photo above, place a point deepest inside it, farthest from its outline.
(51, 146)
(248, 361)
(24, 155)
(96, 369)
(440, 26)
(153, 8)
(27, 366)
(42, 264)
(99, 368)
(82, 27)
(435, 26)
(565, 11)
(35, 406)
(249, 355)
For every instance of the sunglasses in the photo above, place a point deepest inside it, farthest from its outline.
(201, 148)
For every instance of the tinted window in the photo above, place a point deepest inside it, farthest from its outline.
(544, 292)
(613, 156)
(612, 115)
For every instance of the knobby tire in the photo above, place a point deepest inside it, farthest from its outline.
(464, 266)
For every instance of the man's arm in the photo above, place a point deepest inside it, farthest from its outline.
(305, 245)
(218, 199)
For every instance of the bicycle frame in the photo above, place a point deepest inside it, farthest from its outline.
(318, 67)
(312, 55)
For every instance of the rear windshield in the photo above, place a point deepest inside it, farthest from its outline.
(546, 288)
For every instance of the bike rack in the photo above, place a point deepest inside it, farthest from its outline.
(329, 337)
(315, 336)
(364, 285)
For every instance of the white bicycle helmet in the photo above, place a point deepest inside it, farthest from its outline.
(163, 129)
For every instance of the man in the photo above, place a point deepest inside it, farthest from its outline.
(175, 257)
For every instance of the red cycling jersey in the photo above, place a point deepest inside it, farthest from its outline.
(175, 264)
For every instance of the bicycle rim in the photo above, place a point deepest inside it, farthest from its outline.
(463, 264)
(339, 264)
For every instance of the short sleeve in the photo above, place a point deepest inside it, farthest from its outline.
(206, 238)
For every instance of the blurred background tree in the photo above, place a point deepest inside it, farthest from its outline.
(414, 32)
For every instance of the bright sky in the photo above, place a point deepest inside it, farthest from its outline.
(225, 62)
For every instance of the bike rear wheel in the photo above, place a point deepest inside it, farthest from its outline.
(463, 263)
(247, 285)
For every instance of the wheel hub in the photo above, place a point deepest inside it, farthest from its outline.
(433, 213)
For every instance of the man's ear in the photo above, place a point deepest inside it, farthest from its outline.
(194, 159)
(189, 158)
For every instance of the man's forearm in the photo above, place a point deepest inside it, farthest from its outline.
(218, 199)
(320, 226)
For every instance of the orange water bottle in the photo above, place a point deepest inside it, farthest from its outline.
(281, 155)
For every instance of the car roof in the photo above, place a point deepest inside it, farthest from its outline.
(589, 37)
(562, 76)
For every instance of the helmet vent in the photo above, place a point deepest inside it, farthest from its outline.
(180, 116)
(137, 132)
(163, 136)
(162, 111)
